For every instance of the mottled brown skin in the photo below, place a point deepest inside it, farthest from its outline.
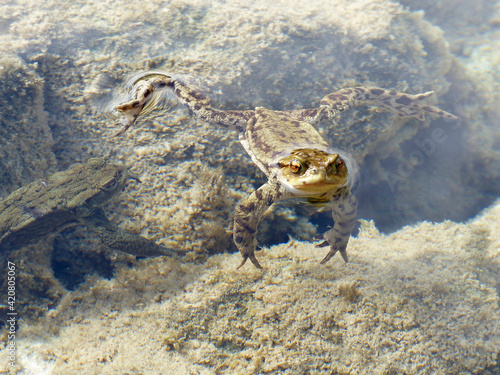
(297, 161)
(68, 198)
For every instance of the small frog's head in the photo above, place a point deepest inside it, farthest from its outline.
(309, 172)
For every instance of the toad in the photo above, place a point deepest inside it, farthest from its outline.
(297, 160)
(74, 196)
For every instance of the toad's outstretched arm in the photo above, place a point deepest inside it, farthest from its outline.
(247, 216)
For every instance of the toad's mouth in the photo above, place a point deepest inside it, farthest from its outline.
(318, 186)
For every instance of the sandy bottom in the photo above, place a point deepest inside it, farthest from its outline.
(421, 300)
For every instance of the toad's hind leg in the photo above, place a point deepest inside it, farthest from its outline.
(148, 87)
(401, 104)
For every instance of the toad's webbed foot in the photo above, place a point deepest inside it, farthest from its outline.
(249, 255)
(336, 243)
(144, 92)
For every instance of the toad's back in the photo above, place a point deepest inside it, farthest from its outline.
(45, 206)
(271, 135)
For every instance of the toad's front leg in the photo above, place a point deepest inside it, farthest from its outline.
(344, 211)
(247, 216)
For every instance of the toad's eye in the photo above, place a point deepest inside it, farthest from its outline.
(295, 166)
(111, 185)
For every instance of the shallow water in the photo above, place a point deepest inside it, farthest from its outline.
(430, 188)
